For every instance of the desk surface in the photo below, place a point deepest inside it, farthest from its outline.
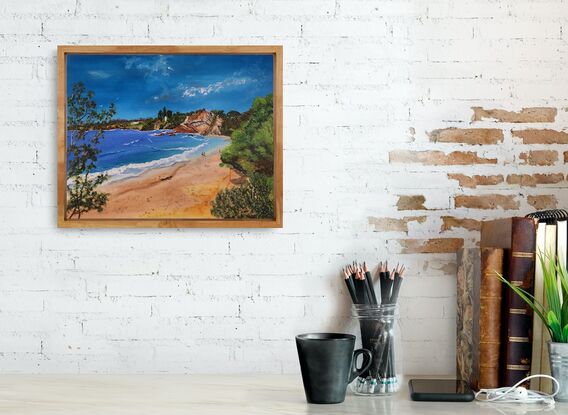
(203, 395)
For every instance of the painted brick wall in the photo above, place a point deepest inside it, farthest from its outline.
(406, 123)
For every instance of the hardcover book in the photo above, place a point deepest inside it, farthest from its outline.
(478, 319)
(490, 317)
(551, 240)
(517, 237)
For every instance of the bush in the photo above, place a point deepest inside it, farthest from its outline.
(148, 124)
(252, 200)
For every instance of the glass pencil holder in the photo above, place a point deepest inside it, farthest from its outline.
(380, 334)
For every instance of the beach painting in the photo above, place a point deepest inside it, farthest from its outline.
(170, 136)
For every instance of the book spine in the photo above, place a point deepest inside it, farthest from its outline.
(538, 327)
(467, 321)
(490, 317)
(550, 248)
(517, 318)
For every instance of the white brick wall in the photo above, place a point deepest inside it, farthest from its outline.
(359, 77)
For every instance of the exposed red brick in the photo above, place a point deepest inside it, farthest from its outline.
(476, 180)
(545, 136)
(394, 224)
(542, 201)
(535, 114)
(539, 157)
(438, 157)
(534, 179)
(415, 202)
(521, 179)
(506, 202)
(430, 246)
(566, 157)
(550, 178)
(467, 135)
(451, 222)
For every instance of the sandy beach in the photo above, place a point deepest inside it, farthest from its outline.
(184, 190)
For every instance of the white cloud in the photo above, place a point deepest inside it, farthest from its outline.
(99, 74)
(158, 65)
(214, 87)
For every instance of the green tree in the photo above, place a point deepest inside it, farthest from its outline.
(231, 120)
(252, 144)
(83, 118)
(251, 152)
(174, 119)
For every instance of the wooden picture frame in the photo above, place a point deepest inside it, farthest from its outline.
(67, 217)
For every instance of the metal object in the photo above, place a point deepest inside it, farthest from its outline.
(558, 353)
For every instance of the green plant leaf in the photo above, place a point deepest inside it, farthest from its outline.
(548, 263)
(554, 324)
(564, 315)
(531, 302)
(532, 298)
(562, 276)
(565, 333)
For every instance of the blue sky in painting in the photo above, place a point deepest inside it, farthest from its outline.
(139, 85)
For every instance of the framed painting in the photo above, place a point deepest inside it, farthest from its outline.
(170, 136)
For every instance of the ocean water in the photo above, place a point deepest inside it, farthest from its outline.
(129, 153)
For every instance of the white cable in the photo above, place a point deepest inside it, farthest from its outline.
(518, 394)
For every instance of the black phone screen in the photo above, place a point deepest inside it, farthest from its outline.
(440, 390)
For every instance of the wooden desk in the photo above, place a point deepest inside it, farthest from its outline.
(202, 395)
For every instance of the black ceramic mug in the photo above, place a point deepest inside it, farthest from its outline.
(328, 365)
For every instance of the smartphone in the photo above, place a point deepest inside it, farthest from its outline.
(441, 390)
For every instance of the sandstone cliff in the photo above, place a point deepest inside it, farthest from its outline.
(202, 122)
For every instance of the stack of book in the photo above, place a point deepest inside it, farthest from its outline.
(551, 239)
(498, 341)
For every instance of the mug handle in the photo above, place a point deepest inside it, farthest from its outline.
(367, 358)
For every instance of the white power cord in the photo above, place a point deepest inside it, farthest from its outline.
(518, 394)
